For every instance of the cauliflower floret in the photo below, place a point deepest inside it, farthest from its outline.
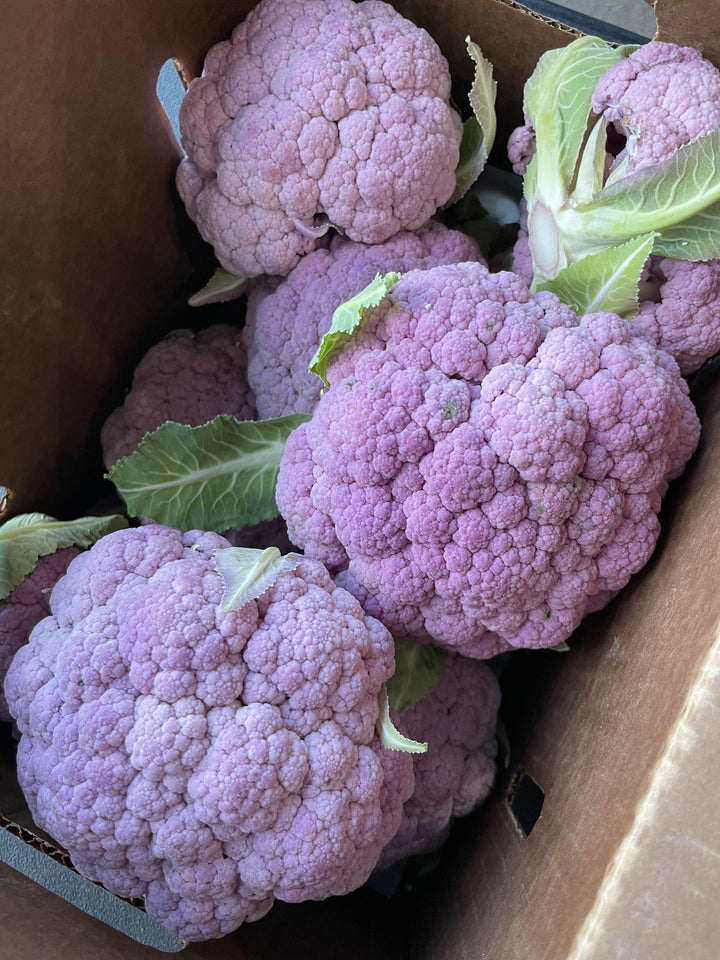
(458, 720)
(685, 317)
(661, 97)
(286, 321)
(319, 107)
(486, 466)
(207, 761)
(26, 605)
(189, 378)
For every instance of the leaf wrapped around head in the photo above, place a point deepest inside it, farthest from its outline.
(390, 736)
(479, 129)
(347, 317)
(29, 536)
(604, 281)
(247, 573)
(221, 287)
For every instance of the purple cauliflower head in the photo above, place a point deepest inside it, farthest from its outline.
(26, 605)
(458, 720)
(207, 761)
(287, 320)
(660, 98)
(316, 109)
(189, 378)
(486, 466)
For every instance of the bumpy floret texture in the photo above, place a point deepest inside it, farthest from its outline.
(207, 761)
(522, 263)
(684, 315)
(189, 378)
(316, 108)
(457, 719)
(662, 97)
(486, 466)
(521, 148)
(286, 321)
(26, 605)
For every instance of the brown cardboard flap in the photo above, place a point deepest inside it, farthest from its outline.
(690, 22)
(90, 250)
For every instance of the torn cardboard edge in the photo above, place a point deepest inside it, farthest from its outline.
(50, 866)
(542, 18)
(655, 861)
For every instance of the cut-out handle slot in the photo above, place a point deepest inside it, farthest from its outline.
(525, 800)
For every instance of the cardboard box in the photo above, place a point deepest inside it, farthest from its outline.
(620, 738)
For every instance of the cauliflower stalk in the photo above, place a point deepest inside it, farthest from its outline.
(205, 740)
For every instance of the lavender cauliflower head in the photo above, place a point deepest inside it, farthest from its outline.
(189, 378)
(26, 605)
(458, 720)
(287, 320)
(486, 466)
(206, 761)
(316, 108)
(660, 98)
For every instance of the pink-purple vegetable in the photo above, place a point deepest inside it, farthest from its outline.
(487, 466)
(206, 757)
(316, 112)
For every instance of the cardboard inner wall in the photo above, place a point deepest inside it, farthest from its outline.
(94, 272)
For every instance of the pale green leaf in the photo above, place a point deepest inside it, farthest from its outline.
(473, 158)
(248, 573)
(479, 130)
(561, 647)
(591, 169)
(604, 281)
(221, 286)
(218, 476)
(390, 736)
(347, 317)
(482, 95)
(697, 238)
(661, 197)
(418, 667)
(557, 103)
(29, 536)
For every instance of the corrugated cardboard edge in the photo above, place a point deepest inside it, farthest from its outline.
(668, 866)
(38, 860)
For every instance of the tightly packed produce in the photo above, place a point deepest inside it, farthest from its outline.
(455, 461)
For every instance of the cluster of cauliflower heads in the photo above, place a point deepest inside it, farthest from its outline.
(203, 724)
